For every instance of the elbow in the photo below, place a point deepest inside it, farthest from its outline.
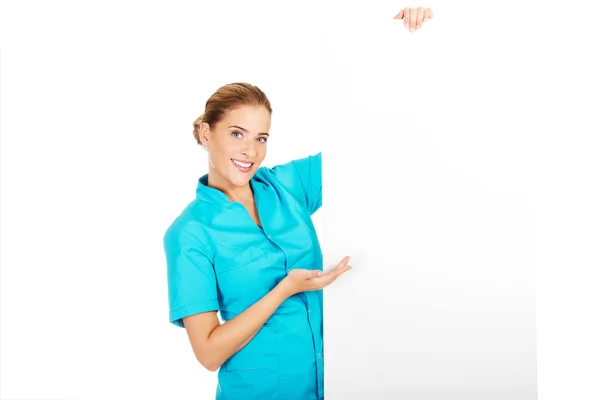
(208, 355)
(210, 365)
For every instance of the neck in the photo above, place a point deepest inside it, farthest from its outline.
(233, 192)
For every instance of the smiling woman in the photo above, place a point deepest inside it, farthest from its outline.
(246, 247)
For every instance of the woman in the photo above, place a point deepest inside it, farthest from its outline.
(246, 247)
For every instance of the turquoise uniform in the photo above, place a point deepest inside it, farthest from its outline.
(219, 259)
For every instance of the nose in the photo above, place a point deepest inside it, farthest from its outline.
(248, 149)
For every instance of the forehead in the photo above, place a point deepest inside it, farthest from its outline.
(249, 117)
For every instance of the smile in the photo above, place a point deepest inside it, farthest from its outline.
(242, 166)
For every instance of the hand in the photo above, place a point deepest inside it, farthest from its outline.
(304, 280)
(414, 18)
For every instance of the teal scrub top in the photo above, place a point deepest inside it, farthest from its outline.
(219, 259)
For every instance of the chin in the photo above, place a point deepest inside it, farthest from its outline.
(240, 179)
(237, 181)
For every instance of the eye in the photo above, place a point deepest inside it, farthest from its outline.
(264, 139)
(235, 133)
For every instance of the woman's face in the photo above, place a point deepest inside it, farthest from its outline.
(238, 144)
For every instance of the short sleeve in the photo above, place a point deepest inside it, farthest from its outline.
(303, 178)
(192, 284)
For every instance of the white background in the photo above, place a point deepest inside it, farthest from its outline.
(98, 156)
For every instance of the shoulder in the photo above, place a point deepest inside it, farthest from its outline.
(291, 171)
(188, 228)
(295, 164)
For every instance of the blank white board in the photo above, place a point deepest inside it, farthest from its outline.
(426, 188)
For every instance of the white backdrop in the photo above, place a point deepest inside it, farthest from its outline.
(102, 158)
(457, 160)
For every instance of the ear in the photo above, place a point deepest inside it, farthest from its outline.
(204, 135)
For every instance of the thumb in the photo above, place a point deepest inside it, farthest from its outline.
(400, 15)
(316, 273)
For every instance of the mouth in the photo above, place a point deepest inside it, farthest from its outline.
(243, 166)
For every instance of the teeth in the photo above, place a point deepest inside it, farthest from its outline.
(242, 164)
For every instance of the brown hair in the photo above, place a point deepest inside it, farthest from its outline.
(225, 99)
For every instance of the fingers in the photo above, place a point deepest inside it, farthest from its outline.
(413, 19)
(420, 16)
(428, 15)
(343, 262)
(308, 274)
(317, 280)
(406, 17)
(339, 269)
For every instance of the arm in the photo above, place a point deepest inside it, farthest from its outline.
(213, 343)
(193, 300)
(302, 178)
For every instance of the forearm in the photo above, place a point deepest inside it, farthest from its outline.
(231, 336)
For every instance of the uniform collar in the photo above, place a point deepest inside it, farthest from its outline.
(212, 195)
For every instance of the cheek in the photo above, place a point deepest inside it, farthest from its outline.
(220, 156)
(227, 149)
(261, 154)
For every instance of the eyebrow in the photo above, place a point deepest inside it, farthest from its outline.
(246, 130)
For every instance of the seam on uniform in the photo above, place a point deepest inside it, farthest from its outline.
(284, 187)
(192, 304)
(245, 263)
(203, 246)
(316, 205)
(252, 368)
(291, 192)
(306, 200)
